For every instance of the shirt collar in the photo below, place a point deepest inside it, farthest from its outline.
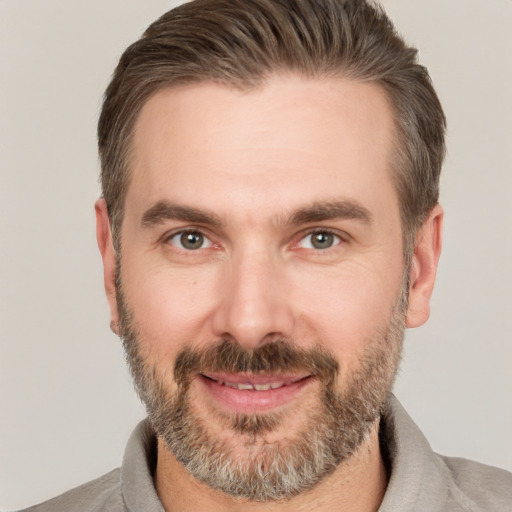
(139, 462)
(419, 480)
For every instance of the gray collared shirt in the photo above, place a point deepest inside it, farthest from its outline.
(421, 480)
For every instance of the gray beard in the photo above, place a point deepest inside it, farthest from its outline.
(333, 430)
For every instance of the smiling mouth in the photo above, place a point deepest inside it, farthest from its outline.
(254, 382)
(243, 393)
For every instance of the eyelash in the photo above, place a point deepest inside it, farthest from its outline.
(337, 239)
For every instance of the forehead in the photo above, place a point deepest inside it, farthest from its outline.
(290, 141)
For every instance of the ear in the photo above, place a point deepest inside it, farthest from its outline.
(427, 249)
(108, 255)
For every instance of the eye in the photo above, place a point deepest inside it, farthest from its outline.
(319, 240)
(190, 240)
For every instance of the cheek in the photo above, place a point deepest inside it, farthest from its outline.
(170, 308)
(345, 309)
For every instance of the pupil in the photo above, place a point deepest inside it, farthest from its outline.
(192, 240)
(322, 240)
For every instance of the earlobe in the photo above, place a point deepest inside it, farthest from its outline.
(108, 255)
(422, 275)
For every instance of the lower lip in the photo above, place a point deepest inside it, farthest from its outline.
(251, 401)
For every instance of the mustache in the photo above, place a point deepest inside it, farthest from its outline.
(277, 356)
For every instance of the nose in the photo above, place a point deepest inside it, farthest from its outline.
(254, 304)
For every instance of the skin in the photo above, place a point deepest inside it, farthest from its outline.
(254, 159)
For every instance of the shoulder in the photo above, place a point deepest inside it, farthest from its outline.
(478, 487)
(101, 494)
(422, 480)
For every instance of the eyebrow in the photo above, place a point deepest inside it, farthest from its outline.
(318, 211)
(164, 210)
(330, 210)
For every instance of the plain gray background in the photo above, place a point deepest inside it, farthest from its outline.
(66, 402)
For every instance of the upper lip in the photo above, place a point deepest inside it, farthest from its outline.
(254, 381)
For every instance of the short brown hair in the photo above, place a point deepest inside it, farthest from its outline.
(239, 43)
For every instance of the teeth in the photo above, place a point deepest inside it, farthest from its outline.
(262, 387)
(247, 386)
(244, 386)
(254, 387)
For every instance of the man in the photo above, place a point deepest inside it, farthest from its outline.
(269, 226)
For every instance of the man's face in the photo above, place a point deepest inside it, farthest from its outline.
(261, 281)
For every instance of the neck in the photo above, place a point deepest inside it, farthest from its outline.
(357, 485)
